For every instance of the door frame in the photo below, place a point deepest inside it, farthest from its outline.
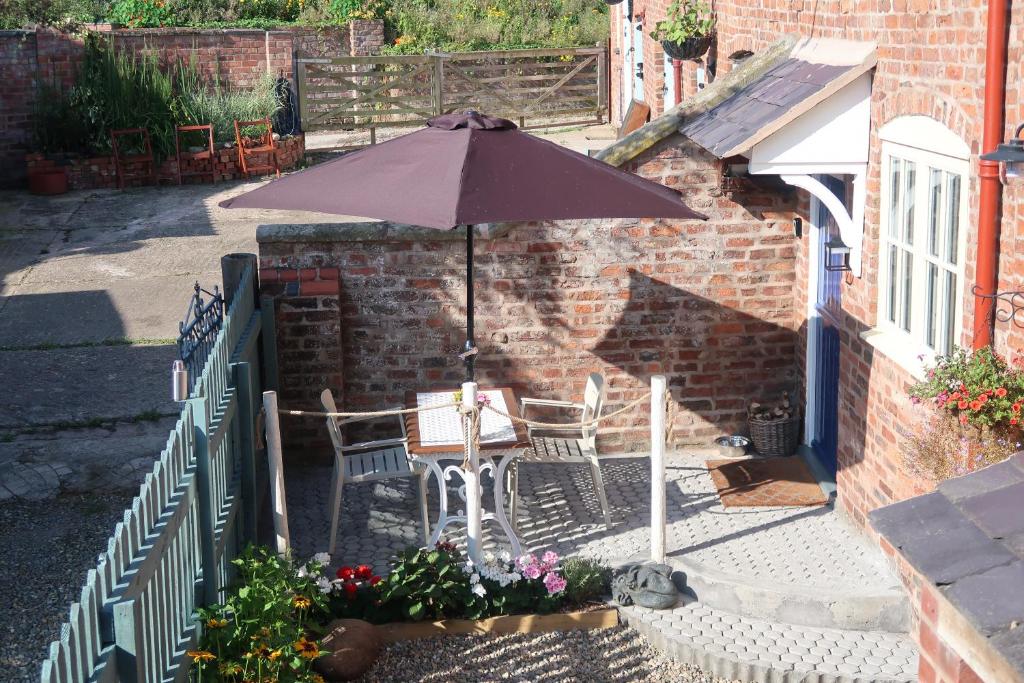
(825, 478)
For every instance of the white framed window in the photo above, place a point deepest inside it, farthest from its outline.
(924, 214)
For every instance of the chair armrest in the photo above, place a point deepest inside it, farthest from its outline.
(367, 445)
(551, 403)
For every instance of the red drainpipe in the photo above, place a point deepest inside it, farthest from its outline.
(677, 79)
(986, 266)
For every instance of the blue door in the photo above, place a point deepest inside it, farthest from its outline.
(828, 306)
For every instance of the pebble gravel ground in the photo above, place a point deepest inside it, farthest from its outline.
(48, 546)
(614, 655)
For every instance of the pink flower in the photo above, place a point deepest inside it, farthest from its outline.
(532, 571)
(525, 561)
(550, 558)
(554, 583)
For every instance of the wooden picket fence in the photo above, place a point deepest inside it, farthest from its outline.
(194, 512)
(533, 87)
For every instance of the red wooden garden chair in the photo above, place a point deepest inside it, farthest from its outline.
(122, 162)
(264, 146)
(200, 163)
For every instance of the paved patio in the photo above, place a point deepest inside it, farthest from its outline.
(788, 594)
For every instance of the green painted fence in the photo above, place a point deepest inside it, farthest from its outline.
(194, 512)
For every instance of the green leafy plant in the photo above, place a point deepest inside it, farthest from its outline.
(141, 13)
(428, 584)
(978, 388)
(683, 20)
(344, 11)
(64, 15)
(262, 632)
(586, 580)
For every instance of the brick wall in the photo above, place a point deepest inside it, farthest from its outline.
(236, 56)
(930, 62)
(706, 303)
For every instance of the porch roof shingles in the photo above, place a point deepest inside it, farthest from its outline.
(727, 128)
(967, 538)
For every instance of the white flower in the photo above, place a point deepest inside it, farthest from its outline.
(324, 584)
(474, 578)
(303, 572)
(478, 588)
(505, 556)
(323, 558)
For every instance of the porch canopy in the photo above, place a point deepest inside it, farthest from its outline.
(809, 114)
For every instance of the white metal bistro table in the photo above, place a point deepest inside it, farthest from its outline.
(438, 435)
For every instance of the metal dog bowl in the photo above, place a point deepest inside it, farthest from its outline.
(734, 446)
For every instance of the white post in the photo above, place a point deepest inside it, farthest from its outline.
(658, 515)
(278, 504)
(472, 477)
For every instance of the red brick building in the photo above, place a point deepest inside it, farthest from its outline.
(912, 210)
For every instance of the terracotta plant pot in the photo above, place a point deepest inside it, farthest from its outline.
(48, 182)
(691, 48)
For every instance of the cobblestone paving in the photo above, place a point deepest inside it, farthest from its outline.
(738, 647)
(560, 512)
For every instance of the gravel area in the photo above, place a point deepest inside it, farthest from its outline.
(48, 547)
(615, 654)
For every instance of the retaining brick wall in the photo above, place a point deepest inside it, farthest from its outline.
(100, 172)
(236, 56)
(707, 303)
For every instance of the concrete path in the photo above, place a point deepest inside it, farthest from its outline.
(92, 288)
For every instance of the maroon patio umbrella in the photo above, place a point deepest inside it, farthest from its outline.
(464, 169)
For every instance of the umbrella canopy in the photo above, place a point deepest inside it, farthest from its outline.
(463, 169)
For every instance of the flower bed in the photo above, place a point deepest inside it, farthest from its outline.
(88, 173)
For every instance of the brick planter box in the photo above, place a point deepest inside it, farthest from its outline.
(98, 172)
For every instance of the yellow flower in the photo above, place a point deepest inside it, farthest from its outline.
(214, 622)
(317, 678)
(301, 602)
(201, 655)
(307, 648)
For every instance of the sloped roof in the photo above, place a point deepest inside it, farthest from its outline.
(814, 70)
(756, 98)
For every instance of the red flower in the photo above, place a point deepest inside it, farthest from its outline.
(983, 399)
(345, 573)
(963, 418)
(1001, 391)
(976, 405)
(374, 580)
(954, 396)
(1013, 420)
(961, 404)
(1016, 407)
(363, 572)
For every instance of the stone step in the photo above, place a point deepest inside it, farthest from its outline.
(843, 606)
(760, 651)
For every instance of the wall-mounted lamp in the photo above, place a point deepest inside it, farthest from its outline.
(1010, 156)
(179, 382)
(837, 255)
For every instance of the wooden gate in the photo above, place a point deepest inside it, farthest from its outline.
(533, 87)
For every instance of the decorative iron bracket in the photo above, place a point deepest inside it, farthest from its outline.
(198, 331)
(1015, 301)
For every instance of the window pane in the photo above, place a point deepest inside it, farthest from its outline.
(893, 282)
(949, 313)
(906, 291)
(931, 313)
(894, 197)
(934, 210)
(909, 178)
(952, 216)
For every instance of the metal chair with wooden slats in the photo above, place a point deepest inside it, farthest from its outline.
(568, 445)
(366, 462)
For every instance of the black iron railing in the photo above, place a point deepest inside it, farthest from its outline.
(198, 331)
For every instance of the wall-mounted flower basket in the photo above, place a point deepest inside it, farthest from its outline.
(613, 2)
(513, 623)
(691, 48)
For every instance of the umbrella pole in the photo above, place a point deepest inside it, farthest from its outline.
(469, 353)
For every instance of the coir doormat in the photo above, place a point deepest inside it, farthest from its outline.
(765, 482)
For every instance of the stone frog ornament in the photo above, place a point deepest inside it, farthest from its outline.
(646, 585)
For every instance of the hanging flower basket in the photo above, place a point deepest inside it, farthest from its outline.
(613, 2)
(691, 48)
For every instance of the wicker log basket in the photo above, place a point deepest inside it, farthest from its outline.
(775, 430)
